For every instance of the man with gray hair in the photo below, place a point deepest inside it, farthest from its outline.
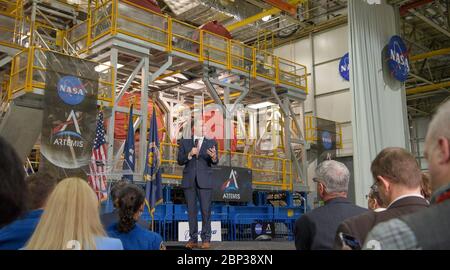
(316, 229)
(428, 228)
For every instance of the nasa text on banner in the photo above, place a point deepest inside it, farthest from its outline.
(326, 139)
(398, 61)
(232, 184)
(70, 111)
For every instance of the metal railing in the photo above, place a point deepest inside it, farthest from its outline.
(267, 171)
(312, 131)
(123, 17)
(28, 73)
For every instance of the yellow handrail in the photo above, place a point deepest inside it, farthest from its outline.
(312, 131)
(30, 68)
(225, 55)
(285, 181)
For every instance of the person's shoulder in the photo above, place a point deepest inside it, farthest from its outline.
(358, 209)
(147, 233)
(108, 243)
(111, 229)
(364, 216)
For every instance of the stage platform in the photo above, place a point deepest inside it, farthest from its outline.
(242, 245)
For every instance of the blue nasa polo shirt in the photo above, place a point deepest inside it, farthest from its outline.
(15, 235)
(137, 239)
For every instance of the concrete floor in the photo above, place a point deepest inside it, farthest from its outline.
(242, 245)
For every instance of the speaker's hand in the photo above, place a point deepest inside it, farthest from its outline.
(194, 151)
(212, 153)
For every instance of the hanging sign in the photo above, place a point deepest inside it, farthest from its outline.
(70, 110)
(344, 67)
(397, 55)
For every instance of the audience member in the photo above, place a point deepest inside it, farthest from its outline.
(398, 180)
(426, 186)
(130, 203)
(13, 191)
(17, 233)
(71, 220)
(316, 229)
(374, 201)
(113, 217)
(428, 228)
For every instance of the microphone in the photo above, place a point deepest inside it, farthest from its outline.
(196, 145)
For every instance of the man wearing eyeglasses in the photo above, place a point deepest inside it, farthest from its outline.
(316, 229)
(427, 229)
(397, 179)
(374, 201)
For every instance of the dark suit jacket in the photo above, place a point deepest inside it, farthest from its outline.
(360, 226)
(200, 167)
(316, 229)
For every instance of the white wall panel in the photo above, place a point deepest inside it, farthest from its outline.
(328, 78)
(335, 107)
(331, 44)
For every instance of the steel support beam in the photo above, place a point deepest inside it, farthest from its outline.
(161, 70)
(427, 88)
(128, 82)
(430, 22)
(110, 132)
(292, 9)
(259, 16)
(144, 111)
(429, 54)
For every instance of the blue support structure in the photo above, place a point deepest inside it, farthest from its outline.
(236, 220)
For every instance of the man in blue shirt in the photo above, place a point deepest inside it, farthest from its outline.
(16, 234)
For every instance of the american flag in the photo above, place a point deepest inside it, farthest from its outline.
(97, 177)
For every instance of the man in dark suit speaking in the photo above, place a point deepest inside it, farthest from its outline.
(197, 154)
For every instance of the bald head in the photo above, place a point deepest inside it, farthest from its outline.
(439, 125)
(437, 147)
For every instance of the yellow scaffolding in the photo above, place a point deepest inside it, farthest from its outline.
(276, 172)
(114, 17)
(311, 131)
(28, 74)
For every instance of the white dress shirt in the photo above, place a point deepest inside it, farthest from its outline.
(199, 146)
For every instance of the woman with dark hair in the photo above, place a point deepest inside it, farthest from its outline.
(13, 189)
(130, 203)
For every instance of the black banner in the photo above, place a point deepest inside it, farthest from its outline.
(232, 184)
(70, 111)
(326, 139)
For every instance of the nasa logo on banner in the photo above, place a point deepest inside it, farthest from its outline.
(344, 67)
(398, 61)
(261, 229)
(70, 113)
(71, 90)
(327, 140)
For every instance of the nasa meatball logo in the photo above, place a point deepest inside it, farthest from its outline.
(398, 58)
(258, 229)
(71, 90)
(327, 140)
(344, 67)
